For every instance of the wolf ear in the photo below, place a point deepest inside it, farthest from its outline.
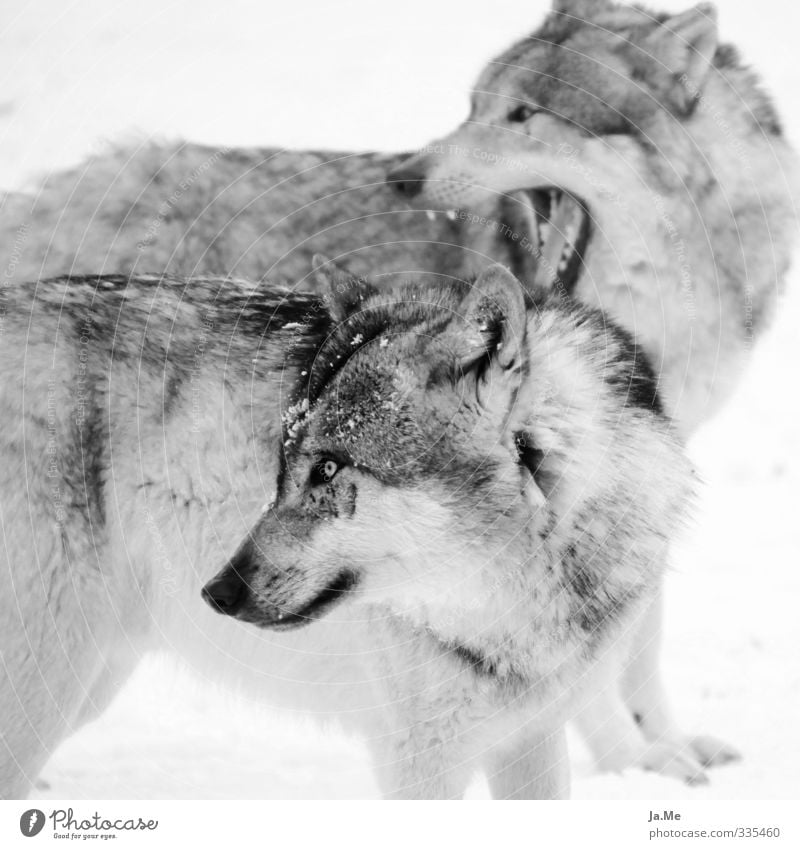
(580, 9)
(343, 291)
(684, 45)
(496, 316)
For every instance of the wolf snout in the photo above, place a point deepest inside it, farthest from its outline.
(226, 592)
(408, 179)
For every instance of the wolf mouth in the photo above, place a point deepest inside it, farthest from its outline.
(561, 227)
(345, 582)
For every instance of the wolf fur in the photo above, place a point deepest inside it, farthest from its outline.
(259, 214)
(677, 155)
(510, 484)
(655, 169)
(690, 206)
(475, 474)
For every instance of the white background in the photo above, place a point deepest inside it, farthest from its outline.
(362, 75)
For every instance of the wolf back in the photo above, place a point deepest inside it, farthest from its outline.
(254, 213)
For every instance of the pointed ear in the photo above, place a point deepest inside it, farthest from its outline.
(684, 46)
(495, 312)
(580, 9)
(344, 292)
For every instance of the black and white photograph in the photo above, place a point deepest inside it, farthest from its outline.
(398, 404)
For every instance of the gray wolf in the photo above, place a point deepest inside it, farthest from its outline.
(658, 181)
(486, 483)
(661, 187)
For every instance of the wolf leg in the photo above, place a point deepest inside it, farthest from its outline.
(419, 730)
(645, 696)
(110, 680)
(55, 631)
(44, 680)
(609, 731)
(616, 742)
(417, 763)
(539, 769)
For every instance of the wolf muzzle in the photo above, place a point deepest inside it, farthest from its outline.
(226, 592)
(408, 179)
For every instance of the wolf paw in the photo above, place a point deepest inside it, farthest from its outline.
(711, 752)
(675, 761)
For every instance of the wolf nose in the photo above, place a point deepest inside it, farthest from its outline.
(225, 593)
(407, 181)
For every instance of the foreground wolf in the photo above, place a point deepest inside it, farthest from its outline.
(662, 190)
(489, 484)
(652, 181)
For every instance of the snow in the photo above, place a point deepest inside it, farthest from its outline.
(75, 75)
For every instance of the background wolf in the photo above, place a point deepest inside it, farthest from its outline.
(648, 148)
(514, 461)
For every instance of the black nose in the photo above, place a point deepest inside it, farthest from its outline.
(225, 593)
(407, 180)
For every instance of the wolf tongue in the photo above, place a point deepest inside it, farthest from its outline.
(562, 211)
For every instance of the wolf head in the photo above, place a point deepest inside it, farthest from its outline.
(491, 467)
(395, 454)
(595, 106)
(636, 165)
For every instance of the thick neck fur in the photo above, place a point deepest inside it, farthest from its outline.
(704, 251)
(586, 549)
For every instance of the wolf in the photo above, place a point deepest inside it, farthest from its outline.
(659, 183)
(656, 224)
(661, 190)
(473, 491)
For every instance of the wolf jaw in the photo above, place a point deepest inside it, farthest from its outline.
(558, 232)
(561, 227)
(317, 607)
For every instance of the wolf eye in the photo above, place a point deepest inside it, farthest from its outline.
(520, 114)
(324, 471)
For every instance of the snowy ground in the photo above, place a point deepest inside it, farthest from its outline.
(76, 74)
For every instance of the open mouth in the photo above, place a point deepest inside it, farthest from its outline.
(344, 583)
(561, 228)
